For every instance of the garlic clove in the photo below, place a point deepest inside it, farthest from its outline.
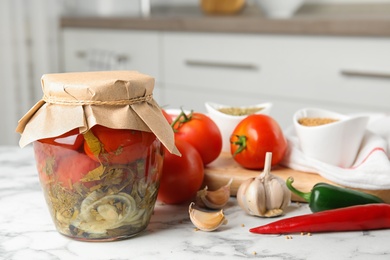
(241, 195)
(206, 221)
(108, 212)
(256, 198)
(214, 199)
(278, 199)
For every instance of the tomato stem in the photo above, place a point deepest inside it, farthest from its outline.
(241, 142)
(181, 119)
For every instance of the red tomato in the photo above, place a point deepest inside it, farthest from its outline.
(74, 167)
(181, 176)
(45, 157)
(71, 140)
(119, 145)
(55, 163)
(253, 137)
(201, 132)
(167, 116)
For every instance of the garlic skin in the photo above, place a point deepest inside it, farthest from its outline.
(206, 221)
(266, 195)
(214, 199)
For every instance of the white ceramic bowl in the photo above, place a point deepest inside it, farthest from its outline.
(335, 143)
(279, 8)
(226, 123)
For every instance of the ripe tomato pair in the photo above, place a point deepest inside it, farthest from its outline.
(63, 158)
(253, 137)
(199, 141)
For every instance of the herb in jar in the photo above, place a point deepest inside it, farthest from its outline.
(98, 201)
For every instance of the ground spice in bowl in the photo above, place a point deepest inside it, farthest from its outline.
(239, 111)
(316, 121)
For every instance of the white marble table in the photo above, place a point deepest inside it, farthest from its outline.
(27, 232)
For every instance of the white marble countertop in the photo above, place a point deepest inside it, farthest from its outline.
(27, 231)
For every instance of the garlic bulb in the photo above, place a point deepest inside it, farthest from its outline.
(216, 199)
(266, 195)
(206, 221)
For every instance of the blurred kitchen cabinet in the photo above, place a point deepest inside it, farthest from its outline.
(222, 68)
(100, 49)
(345, 74)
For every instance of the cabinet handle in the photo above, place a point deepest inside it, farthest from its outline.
(365, 73)
(118, 57)
(122, 58)
(216, 64)
(81, 54)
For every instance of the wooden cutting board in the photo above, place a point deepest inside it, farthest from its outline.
(220, 171)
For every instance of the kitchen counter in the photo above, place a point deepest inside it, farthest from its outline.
(311, 19)
(27, 232)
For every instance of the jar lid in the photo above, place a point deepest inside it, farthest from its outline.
(115, 99)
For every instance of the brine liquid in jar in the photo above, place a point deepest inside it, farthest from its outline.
(100, 185)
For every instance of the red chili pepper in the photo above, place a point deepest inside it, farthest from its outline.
(361, 217)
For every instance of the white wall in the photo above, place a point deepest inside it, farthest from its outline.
(8, 111)
(28, 49)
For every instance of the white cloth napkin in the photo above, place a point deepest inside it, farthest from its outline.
(371, 169)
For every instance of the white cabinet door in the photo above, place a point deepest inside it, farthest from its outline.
(290, 71)
(201, 67)
(100, 49)
(217, 61)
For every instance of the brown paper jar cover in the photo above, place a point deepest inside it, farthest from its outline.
(115, 99)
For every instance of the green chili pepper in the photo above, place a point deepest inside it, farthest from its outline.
(324, 196)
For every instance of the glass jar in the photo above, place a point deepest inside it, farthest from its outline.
(106, 195)
(99, 155)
